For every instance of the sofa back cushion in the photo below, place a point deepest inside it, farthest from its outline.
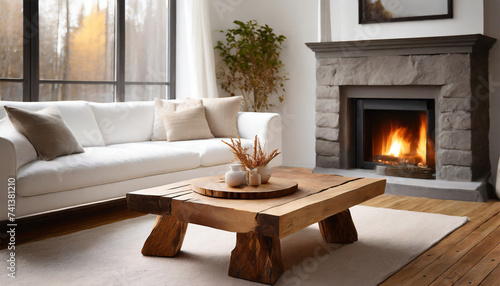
(124, 122)
(78, 116)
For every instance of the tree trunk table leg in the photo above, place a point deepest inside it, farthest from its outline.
(339, 228)
(256, 258)
(166, 237)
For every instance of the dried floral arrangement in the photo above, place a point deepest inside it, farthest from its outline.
(258, 158)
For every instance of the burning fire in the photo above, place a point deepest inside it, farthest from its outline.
(398, 143)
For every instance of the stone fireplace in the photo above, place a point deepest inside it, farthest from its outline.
(444, 79)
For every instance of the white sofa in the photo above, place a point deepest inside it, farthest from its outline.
(119, 156)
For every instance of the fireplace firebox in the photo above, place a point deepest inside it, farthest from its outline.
(396, 134)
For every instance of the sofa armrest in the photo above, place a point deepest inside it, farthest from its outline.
(267, 126)
(8, 167)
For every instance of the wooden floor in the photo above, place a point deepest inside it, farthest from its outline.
(468, 256)
(66, 222)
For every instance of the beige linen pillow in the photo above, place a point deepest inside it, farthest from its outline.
(222, 115)
(163, 107)
(46, 131)
(188, 124)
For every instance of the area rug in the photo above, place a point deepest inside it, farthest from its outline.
(110, 255)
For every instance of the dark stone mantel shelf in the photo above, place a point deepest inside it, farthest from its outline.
(463, 44)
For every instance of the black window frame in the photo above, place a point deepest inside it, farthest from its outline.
(31, 55)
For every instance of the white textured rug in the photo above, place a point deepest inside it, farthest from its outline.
(110, 255)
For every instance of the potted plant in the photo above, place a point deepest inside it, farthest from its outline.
(252, 65)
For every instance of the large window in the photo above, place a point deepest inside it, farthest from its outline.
(96, 50)
(11, 50)
(146, 65)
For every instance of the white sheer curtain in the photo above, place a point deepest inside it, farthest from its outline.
(195, 51)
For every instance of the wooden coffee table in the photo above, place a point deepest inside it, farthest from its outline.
(259, 223)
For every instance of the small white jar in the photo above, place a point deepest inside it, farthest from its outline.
(235, 176)
(254, 178)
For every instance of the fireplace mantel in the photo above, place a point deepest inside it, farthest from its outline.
(451, 71)
(463, 44)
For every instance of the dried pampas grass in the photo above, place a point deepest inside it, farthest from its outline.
(258, 158)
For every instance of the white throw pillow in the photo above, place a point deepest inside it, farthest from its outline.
(188, 124)
(164, 107)
(222, 115)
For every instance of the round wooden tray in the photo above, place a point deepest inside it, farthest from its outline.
(216, 187)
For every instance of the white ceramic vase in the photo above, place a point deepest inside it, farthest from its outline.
(265, 174)
(235, 176)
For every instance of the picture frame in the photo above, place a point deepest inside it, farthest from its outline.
(382, 11)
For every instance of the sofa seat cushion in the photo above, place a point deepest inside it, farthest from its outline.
(212, 151)
(102, 165)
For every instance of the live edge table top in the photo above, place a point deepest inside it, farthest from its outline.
(318, 197)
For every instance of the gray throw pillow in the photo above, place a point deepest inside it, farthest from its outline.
(46, 130)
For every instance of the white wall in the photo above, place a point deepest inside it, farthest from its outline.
(492, 29)
(298, 21)
(467, 19)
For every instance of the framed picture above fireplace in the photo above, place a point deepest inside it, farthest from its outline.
(380, 11)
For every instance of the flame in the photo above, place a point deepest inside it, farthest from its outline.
(422, 141)
(399, 141)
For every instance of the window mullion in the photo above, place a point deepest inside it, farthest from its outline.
(30, 51)
(120, 50)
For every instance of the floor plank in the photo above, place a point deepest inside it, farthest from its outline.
(471, 258)
(493, 278)
(482, 269)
